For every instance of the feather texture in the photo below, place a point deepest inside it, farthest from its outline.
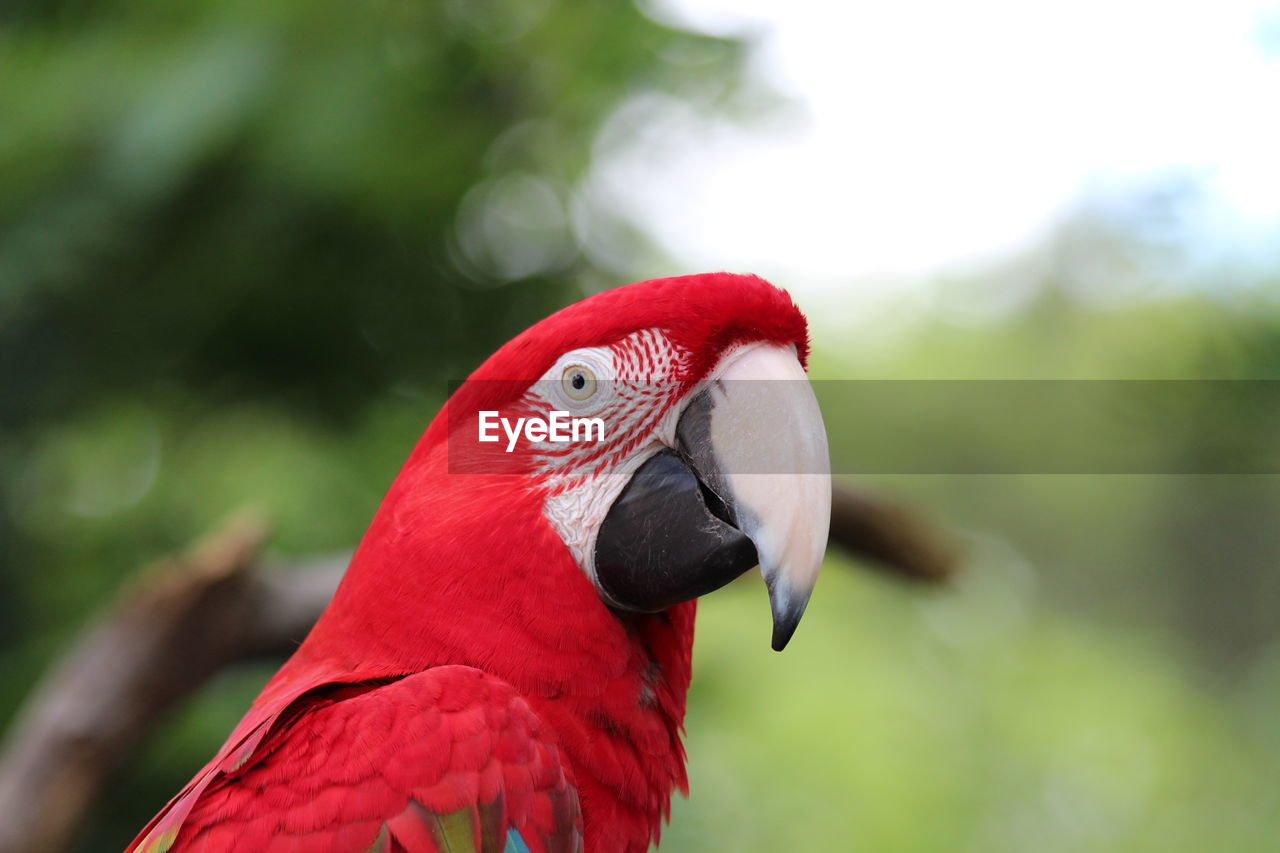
(444, 761)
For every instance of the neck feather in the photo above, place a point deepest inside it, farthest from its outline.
(466, 569)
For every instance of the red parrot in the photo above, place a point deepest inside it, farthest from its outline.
(504, 665)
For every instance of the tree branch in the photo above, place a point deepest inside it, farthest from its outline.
(890, 537)
(169, 632)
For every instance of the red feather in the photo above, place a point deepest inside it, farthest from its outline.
(364, 761)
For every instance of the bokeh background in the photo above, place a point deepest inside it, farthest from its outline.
(244, 245)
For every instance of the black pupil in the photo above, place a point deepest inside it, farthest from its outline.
(578, 381)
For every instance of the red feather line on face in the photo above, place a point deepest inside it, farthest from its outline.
(461, 580)
(648, 381)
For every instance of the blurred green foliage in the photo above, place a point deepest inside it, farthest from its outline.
(243, 245)
(972, 720)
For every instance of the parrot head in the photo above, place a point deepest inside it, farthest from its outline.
(709, 458)
(700, 449)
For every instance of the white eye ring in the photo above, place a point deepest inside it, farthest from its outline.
(578, 382)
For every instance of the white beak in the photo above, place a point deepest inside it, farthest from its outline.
(762, 449)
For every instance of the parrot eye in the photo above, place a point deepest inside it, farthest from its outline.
(578, 382)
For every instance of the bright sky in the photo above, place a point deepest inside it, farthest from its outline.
(927, 134)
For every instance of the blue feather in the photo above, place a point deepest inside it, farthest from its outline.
(515, 844)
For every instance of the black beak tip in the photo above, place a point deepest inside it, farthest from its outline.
(786, 618)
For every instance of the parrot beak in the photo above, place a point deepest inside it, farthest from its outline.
(748, 483)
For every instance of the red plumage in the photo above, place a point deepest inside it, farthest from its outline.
(428, 744)
(466, 659)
